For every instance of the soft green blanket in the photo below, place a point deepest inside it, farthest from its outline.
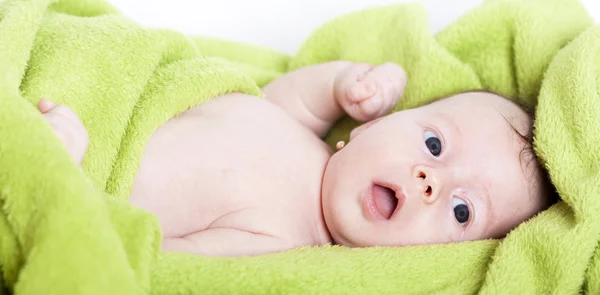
(69, 230)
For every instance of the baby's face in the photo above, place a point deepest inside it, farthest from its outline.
(447, 172)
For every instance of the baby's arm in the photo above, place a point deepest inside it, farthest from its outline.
(317, 96)
(224, 242)
(67, 126)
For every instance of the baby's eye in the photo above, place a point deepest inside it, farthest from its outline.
(433, 143)
(461, 210)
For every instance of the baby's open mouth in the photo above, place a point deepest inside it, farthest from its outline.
(385, 200)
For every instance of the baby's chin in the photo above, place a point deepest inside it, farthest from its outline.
(339, 238)
(352, 241)
(344, 232)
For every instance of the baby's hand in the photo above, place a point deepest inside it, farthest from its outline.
(367, 92)
(67, 127)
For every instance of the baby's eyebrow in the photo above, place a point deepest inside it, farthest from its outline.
(486, 200)
(448, 121)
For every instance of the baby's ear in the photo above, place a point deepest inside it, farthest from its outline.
(356, 131)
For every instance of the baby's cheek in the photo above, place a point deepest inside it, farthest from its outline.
(442, 233)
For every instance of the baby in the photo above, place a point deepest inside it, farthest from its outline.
(242, 175)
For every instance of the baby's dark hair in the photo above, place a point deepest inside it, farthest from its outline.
(528, 154)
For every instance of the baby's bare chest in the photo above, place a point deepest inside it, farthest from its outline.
(238, 162)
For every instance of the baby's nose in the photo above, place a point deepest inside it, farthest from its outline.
(427, 184)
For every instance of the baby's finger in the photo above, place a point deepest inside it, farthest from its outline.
(391, 80)
(349, 90)
(371, 108)
(61, 117)
(69, 130)
(66, 113)
(45, 105)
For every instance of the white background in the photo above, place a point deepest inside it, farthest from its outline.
(278, 24)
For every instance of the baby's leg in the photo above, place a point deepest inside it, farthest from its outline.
(67, 126)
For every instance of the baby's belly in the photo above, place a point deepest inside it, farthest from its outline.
(233, 153)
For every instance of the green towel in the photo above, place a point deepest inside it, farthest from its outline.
(68, 230)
